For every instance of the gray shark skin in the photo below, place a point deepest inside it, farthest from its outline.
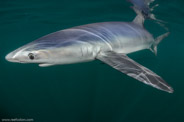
(88, 40)
(108, 42)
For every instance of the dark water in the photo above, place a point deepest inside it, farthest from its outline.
(88, 92)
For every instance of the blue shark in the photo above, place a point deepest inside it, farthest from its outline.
(109, 42)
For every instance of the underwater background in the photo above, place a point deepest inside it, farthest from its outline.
(92, 91)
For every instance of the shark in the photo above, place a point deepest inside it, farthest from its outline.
(109, 42)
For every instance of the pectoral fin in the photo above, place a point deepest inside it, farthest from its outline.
(46, 65)
(126, 65)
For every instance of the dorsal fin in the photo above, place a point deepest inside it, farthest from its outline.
(144, 11)
(144, 7)
(139, 19)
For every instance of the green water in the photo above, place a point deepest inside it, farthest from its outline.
(88, 92)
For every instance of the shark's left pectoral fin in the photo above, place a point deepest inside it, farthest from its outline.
(126, 65)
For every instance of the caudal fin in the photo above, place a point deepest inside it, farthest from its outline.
(157, 41)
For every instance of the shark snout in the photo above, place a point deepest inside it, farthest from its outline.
(11, 58)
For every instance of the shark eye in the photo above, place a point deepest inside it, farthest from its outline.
(31, 56)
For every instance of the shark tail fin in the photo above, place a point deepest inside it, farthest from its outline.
(153, 48)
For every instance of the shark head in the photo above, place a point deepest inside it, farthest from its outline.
(32, 53)
(47, 54)
(61, 47)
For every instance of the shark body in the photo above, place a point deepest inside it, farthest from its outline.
(108, 42)
(87, 41)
